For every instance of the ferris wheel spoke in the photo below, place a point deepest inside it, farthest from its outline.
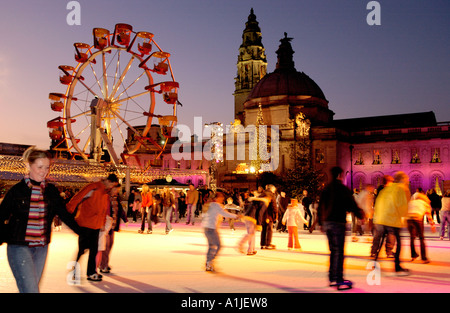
(129, 86)
(117, 68)
(88, 88)
(131, 97)
(105, 76)
(119, 130)
(127, 123)
(124, 121)
(86, 144)
(85, 113)
(97, 80)
(128, 106)
(80, 135)
(81, 132)
(121, 78)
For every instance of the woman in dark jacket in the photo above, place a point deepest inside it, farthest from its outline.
(26, 215)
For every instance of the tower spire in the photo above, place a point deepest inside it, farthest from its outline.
(251, 65)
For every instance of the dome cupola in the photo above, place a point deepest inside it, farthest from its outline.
(288, 86)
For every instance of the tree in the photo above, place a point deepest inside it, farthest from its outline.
(302, 178)
(303, 175)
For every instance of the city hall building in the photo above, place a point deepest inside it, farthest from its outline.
(366, 148)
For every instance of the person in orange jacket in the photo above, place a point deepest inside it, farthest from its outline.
(147, 209)
(90, 206)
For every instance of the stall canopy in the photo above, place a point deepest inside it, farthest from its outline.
(161, 183)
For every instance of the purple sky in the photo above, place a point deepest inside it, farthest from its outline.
(401, 66)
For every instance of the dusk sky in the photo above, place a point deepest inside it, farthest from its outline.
(400, 66)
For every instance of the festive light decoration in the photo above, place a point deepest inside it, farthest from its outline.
(80, 172)
(259, 156)
(216, 151)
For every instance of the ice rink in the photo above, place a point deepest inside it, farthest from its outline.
(174, 263)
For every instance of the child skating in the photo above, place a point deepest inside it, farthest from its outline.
(292, 218)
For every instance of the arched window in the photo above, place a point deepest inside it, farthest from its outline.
(359, 180)
(437, 183)
(416, 181)
(377, 179)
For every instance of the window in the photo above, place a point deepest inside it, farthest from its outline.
(395, 156)
(376, 157)
(415, 155)
(358, 182)
(436, 183)
(415, 181)
(320, 156)
(359, 159)
(436, 155)
(377, 180)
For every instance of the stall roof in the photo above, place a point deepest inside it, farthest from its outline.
(165, 183)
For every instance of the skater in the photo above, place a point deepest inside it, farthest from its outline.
(191, 202)
(146, 209)
(336, 200)
(249, 219)
(418, 208)
(91, 205)
(168, 203)
(176, 211)
(26, 215)
(136, 206)
(269, 216)
(282, 201)
(365, 200)
(445, 214)
(117, 213)
(232, 208)
(210, 222)
(436, 204)
(293, 218)
(379, 233)
(306, 202)
(391, 207)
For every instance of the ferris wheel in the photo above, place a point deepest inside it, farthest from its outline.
(120, 85)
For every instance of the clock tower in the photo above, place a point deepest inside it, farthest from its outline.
(251, 65)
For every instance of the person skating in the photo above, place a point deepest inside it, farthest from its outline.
(336, 200)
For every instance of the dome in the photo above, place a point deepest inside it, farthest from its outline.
(287, 87)
(286, 80)
(286, 83)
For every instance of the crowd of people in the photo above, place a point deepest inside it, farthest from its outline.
(94, 213)
(379, 213)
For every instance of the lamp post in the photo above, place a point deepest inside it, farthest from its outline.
(351, 166)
